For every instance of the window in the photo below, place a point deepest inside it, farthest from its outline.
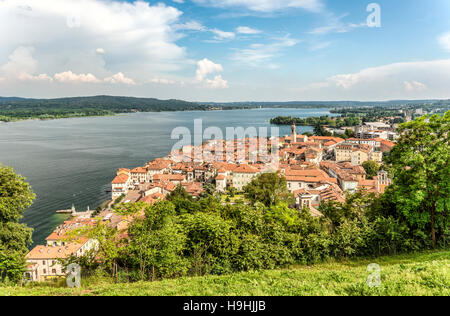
(45, 271)
(54, 271)
(43, 262)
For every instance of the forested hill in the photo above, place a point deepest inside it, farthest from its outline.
(16, 108)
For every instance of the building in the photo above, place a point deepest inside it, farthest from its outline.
(357, 154)
(139, 175)
(243, 175)
(43, 261)
(120, 185)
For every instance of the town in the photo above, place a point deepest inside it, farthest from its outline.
(317, 169)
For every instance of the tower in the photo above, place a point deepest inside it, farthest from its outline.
(294, 132)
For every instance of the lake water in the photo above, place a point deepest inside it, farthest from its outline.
(73, 161)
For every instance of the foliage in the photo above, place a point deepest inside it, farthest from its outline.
(269, 189)
(157, 244)
(315, 121)
(15, 196)
(17, 109)
(421, 165)
(372, 168)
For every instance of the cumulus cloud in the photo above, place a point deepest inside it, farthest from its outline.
(265, 5)
(70, 77)
(444, 41)
(421, 79)
(21, 60)
(247, 30)
(27, 77)
(138, 36)
(206, 67)
(217, 83)
(119, 78)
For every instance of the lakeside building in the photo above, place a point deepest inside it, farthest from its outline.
(44, 261)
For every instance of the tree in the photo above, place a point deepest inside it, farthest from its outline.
(319, 130)
(269, 189)
(15, 196)
(372, 168)
(421, 186)
(157, 243)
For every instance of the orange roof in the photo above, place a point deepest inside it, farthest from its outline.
(139, 170)
(221, 177)
(45, 252)
(169, 177)
(121, 179)
(245, 169)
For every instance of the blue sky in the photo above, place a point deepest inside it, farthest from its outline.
(226, 50)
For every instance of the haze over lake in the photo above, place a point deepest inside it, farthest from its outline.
(73, 161)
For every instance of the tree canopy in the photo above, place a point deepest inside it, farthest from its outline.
(269, 189)
(15, 196)
(420, 161)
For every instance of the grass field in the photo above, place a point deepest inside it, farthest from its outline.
(414, 274)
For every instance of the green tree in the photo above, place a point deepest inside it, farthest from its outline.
(319, 130)
(420, 160)
(269, 189)
(157, 243)
(372, 168)
(15, 196)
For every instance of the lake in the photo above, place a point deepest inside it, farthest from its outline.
(73, 161)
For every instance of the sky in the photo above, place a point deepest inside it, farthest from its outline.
(226, 50)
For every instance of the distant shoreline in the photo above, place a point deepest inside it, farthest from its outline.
(16, 120)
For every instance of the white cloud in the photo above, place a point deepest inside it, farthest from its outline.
(247, 30)
(261, 55)
(414, 85)
(206, 67)
(265, 5)
(119, 78)
(190, 26)
(20, 61)
(100, 51)
(444, 41)
(336, 25)
(420, 79)
(139, 38)
(27, 77)
(222, 35)
(70, 77)
(163, 81)
(217, 83)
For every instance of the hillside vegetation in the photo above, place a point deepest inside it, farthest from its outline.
(16, 109)
(426, 273)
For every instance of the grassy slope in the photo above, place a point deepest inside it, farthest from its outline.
(415, 274)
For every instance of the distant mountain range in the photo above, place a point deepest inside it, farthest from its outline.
(117, 103)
